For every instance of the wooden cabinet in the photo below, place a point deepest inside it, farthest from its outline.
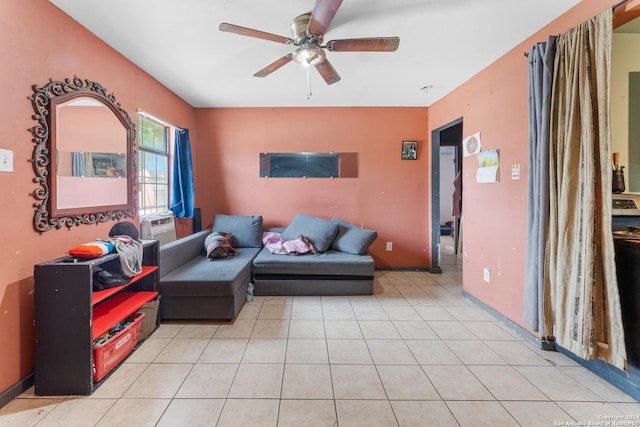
(69, 316)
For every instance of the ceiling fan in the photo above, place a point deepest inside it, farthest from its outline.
(308, 31)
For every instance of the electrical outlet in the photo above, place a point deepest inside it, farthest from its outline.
(487, 275)
(389, 246)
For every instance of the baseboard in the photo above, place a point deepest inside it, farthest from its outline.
(16, 390)
(427, 269)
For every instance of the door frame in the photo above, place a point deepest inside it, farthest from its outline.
(435, 191)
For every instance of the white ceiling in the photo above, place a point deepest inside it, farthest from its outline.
(443, 43)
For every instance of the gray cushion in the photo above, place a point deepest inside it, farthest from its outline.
(320, 232)
(352, 239)
(245, 229)
(329, 263)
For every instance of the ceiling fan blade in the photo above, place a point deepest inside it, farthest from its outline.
(328, 73)
(274, 66)
(322, 15)
(243, 31)
(373, 44)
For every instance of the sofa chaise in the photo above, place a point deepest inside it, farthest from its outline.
(193, 286)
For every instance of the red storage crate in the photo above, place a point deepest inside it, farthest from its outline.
(107, 355)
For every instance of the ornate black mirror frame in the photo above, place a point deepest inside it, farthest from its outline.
(44, 100)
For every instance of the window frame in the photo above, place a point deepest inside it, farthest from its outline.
(149, 210)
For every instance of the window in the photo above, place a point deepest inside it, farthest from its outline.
(153, 179)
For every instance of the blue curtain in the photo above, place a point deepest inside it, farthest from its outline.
(541, 68)
(182, 188)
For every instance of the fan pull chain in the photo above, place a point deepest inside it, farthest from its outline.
(308, 83)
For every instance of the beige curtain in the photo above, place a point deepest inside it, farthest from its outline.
(582, 305)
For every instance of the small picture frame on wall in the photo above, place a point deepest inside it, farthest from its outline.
(409, 150)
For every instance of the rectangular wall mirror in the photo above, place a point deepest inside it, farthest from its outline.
(309, 165)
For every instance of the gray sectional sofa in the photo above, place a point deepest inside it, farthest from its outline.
(192, 286)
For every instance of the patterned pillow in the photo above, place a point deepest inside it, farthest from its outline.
(92, 249)
(218, 245)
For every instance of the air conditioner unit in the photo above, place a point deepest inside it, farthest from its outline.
(160, 227)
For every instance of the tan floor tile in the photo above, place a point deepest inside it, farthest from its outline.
(75, 412)
(432, 352)
(406, 383)
(488, 331)
(208, 381)
(593, 412)
(599, 386)
(224, 351)
(22, 412)
(344, 351)
(536, 414)
(392, 299)
(307, 382)
(159, 381)
(390, 352)
(356, 382)
(263, 350)
(192, 413)
(456, 383)
(360, 300)
(278, 300)
(415, 413)
(182, 351)
(379, 330)
(401, 312)
(474, 352)
(342, 329)
(414, 330)
(306, 300)
(308, 312)
(365, 413)
(249, 412)
(119, 381)
(310, 350)
(249, 311)
(481, 414)
(505, 383)
(168, 330)
(338, 312)
(434, 312)
(267, 328)
(370, 312)
(470, 313)
(148, 350)
(257, 381)
(134, 412)
(556, 384)
(450, 330)
(517, 353)
(307, 413)
(238, 329)
(275, 312)
(335, 300)
(198, 330)
(306, 329)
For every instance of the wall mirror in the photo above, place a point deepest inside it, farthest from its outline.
(309, 165)
(85, 158)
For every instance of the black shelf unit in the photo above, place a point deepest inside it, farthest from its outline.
(69, 315)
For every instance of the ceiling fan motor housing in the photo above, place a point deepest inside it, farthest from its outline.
(299, 28)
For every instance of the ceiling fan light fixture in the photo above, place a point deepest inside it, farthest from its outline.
(309, 54)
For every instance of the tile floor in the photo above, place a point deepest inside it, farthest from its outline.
(416, 353)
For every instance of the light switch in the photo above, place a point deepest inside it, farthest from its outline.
(6, 160)
(515, 171)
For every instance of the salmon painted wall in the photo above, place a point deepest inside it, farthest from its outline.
(494, 103)
(390, 195)
(41, 42)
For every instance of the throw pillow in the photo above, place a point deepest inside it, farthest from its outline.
(319, 231)
(352, 239)
(246, 229)
(92, 249)
(218, 245)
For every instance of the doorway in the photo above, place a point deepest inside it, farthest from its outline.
(449, 135)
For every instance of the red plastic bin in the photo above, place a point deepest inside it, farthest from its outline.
(107, 355)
